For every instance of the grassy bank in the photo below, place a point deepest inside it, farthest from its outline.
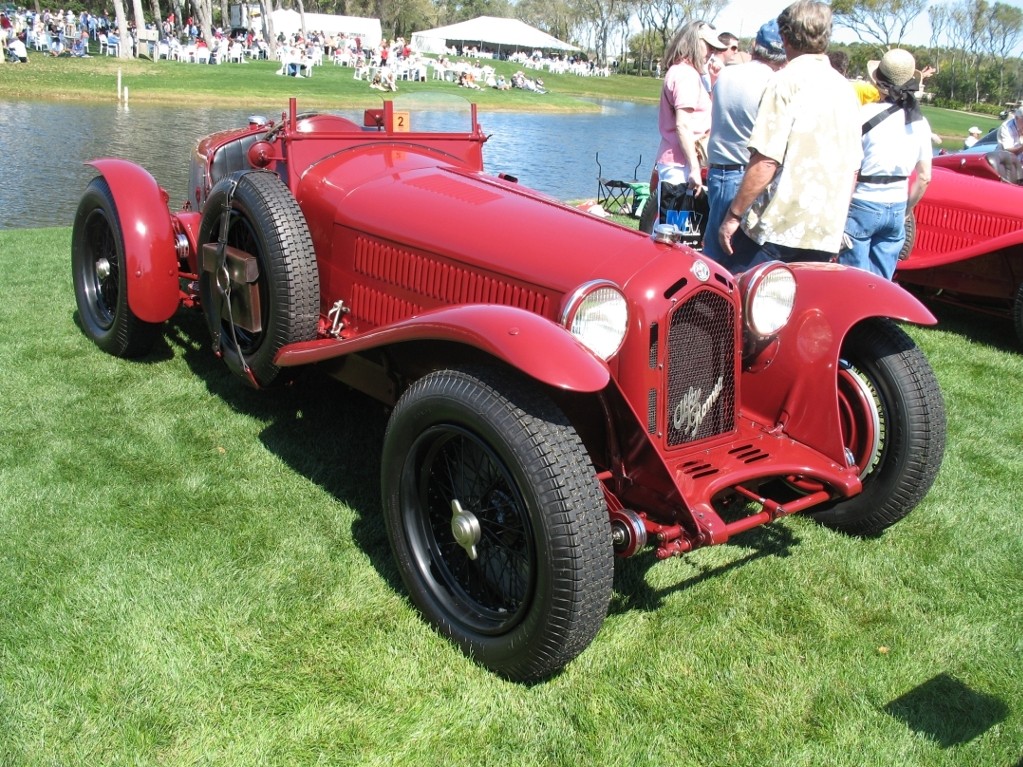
(256, 83)
(195, 573)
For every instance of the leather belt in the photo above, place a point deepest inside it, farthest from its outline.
(716, 166)
(881, 179)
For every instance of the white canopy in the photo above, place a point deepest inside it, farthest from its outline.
(289, 22)
(488, 32)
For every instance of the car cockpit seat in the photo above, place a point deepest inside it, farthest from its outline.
(233, 156)
(1006, 165)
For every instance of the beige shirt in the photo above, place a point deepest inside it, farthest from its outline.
(809, 123)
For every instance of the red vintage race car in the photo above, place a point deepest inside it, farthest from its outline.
(965, 237)
(564, 389)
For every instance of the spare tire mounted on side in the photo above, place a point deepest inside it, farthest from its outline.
(258, 282)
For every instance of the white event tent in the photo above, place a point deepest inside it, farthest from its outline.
(488, 32)
(289, 22)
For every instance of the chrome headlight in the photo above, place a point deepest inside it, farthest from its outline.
(598, 315)
(769, 292)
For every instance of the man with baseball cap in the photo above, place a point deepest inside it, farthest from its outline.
(972, 137)
(736, 99)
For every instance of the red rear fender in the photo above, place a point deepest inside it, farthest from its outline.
(145, 221)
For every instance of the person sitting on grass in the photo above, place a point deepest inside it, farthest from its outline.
(17, 51)
(80, 50)
(384, 80)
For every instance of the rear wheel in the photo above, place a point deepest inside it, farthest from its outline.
(100, 276)
(1017, 313)
(907, 245)
(893, 426)
(496, 520)
(264, 293)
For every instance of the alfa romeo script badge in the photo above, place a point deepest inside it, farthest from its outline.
(701, 271)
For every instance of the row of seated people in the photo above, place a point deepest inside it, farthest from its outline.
(198, 52)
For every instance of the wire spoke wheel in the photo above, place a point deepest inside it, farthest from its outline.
(496, 519)
(487, 573)
(863, 419)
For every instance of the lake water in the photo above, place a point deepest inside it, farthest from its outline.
(44, 145)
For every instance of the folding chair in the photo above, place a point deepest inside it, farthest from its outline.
(614, 195)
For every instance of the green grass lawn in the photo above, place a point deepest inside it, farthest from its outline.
(256, 83)
(195, 573)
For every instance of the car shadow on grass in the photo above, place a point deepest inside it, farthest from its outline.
(323, 430)
(996, 332)
(634, 592)
(947, 711)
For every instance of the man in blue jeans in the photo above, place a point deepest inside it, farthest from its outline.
(805, 152)
(736, 97)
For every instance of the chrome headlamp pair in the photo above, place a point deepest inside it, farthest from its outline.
(597, 313)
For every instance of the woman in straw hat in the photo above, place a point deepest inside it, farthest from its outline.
(896, 147)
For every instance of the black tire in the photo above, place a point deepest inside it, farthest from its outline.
(893, 426)
(1017, 313)
(907, 245)
(493, 455)
(265, 222)
(99, 272)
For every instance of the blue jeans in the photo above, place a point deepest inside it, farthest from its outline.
(748, 253)
(722, 186)
(874, 233)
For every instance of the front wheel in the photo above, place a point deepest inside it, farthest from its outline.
(496, 520)
(893, 425)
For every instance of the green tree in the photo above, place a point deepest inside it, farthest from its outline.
(1002, 31)
(881, 21)
(646, 48)
(408, 16)
(555, 17)
(660, 19)
(462, 10)
(599, 19)
(121, 20)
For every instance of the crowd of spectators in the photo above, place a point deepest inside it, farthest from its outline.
(390, 63)
(60, 33)
(65, 33)
(803, 165)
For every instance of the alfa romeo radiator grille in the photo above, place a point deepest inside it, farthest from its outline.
(701, 369)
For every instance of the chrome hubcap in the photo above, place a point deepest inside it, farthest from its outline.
(465, 528)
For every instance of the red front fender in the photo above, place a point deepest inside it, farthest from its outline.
(145, 221)
(526, 341)
(793, 382)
